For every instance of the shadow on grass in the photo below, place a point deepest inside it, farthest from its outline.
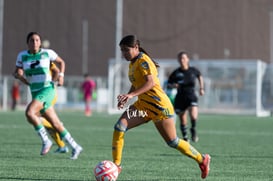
(243, 156)
(35, 179)
(225, 156)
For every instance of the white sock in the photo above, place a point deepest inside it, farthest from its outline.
(68, 138)
(43, 134)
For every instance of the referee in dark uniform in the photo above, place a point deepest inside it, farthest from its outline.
(184, 78)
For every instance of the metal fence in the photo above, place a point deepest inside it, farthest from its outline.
(69, 96)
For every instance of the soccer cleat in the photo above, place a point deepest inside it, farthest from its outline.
(194, 136)
(88, 113)
(76, 152)
(46, 147)
(204, 166)
(62, 150)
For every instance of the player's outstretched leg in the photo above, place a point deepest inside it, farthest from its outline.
(205, 166)
(185, 148)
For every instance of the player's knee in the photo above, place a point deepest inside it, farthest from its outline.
(30, 114)
(173, 143)
(119, 126)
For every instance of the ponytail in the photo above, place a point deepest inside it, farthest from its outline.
(144, 51)
(131, 41)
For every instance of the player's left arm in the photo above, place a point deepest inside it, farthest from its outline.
(123, 99)
(201, 85)
(61, 66)
(149, 84)
(148, 72)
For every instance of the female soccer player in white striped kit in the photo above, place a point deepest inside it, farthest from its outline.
(33, 69)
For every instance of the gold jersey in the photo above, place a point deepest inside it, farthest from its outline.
(154, 104)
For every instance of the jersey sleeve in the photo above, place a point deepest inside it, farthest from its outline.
(19, 62)
(145, 67)
(52, 54)
(197, 72)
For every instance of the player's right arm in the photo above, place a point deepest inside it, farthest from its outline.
(172, 83)
(19, 74)
(19, 71)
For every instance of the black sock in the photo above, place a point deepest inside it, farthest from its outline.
(183, 129)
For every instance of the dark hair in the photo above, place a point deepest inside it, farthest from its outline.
(30, 34)
(180, 54)
(132, 41)
(86, 75)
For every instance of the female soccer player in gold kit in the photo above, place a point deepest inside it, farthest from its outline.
(152, 104)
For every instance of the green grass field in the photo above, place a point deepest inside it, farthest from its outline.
(241, 148)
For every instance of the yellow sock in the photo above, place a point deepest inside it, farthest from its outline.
(117, 146)
(53, 133)
(185, 148)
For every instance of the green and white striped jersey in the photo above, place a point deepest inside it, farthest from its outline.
(37, 67)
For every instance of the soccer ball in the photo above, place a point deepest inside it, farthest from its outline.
(106, 171)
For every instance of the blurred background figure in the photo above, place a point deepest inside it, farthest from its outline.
(15, 94)
(183, 79)
(88, 87)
